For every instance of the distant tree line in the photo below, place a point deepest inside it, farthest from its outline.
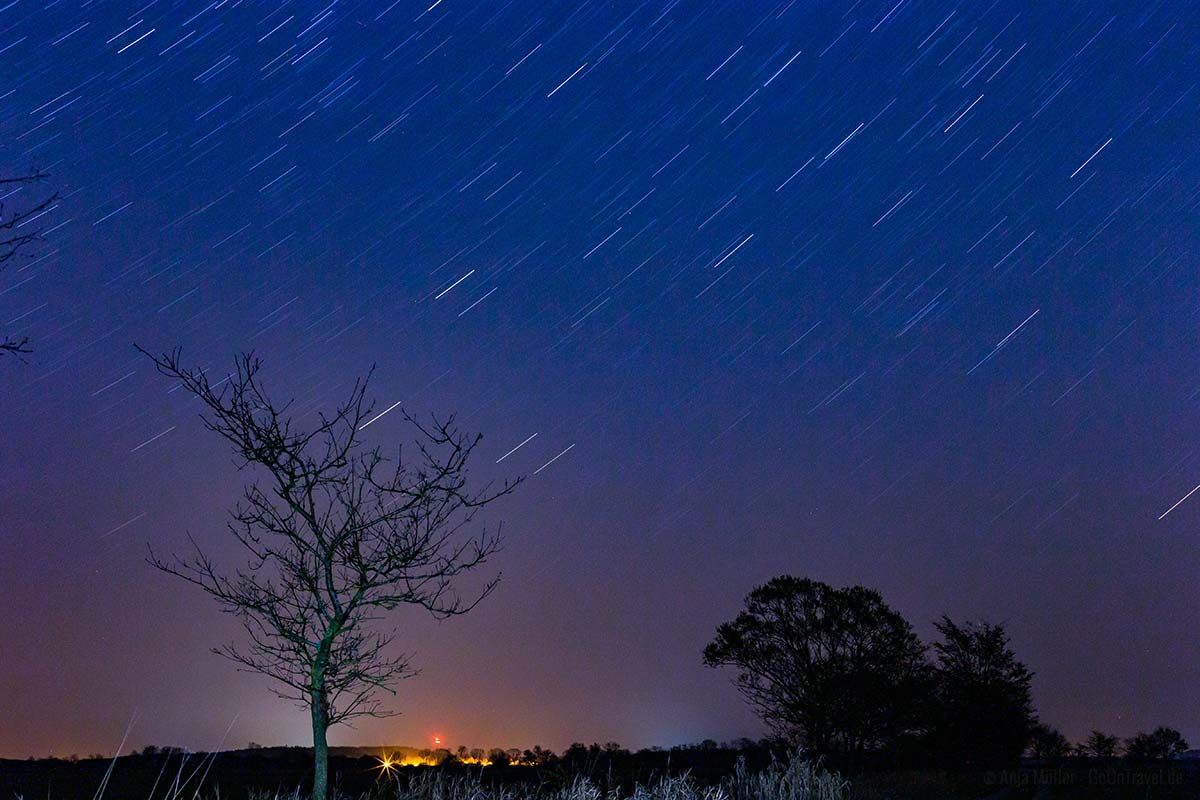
(1047, 744)
(840, 674)
(614, 767)
(611, 768)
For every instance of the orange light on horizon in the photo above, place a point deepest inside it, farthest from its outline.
(388, 764)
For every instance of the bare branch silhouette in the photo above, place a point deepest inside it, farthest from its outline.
(336, 535)
(15, 239)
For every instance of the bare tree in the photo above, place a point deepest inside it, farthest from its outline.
(13, 239)
(336, 534)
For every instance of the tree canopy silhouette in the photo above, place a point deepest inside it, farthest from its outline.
(336, 535)
(1047, 743)
(1100, 745)
(834, 670)
(1161, 744)
(983, 709)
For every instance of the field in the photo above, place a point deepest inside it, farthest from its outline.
(686, 774)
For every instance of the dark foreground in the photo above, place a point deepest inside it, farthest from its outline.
(356, 773)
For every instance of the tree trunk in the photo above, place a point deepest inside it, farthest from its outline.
(320, 724)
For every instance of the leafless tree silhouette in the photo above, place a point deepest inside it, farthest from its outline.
(15, 237)
(337, 534)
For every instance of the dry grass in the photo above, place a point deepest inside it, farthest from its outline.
(793, 779)
(797, 779)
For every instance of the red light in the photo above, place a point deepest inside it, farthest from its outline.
(437, 740)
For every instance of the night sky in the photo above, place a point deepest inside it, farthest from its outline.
(894, 293)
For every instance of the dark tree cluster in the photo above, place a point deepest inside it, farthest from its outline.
(1161, 744)
(842, 675)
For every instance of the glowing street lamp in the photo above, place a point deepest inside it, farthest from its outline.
(387, 766)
